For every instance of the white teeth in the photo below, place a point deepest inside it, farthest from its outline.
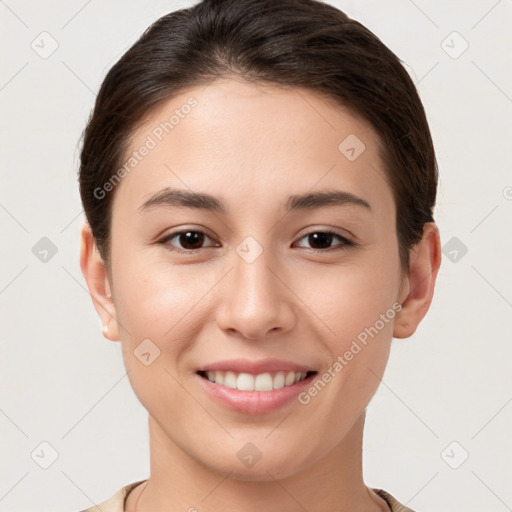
(263, 382)
(230, 380)
(245, 382)
(260, 382)
(290, 379)
(279, 380)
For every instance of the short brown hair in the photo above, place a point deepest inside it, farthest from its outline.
(302, 43)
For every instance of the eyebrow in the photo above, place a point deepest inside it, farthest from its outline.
(168, 197)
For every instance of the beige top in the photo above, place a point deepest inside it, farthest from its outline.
(116, 502)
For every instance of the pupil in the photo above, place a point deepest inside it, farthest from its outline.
(191, 238)
(322, 238)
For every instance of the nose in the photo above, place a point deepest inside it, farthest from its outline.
(255, 300)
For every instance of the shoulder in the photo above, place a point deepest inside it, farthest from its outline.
(393, 503)
(116, 502)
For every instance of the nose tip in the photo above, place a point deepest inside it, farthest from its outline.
(255, 303)
(254, 334)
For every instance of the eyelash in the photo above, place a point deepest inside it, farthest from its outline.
(346, 243)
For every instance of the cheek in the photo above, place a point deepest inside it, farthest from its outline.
(358, 305)
(348, 299)
(155, 300)
(155, 307)
(161, 301)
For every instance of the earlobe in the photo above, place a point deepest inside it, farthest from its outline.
(425, 260)
(95, 274)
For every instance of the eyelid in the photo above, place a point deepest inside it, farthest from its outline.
(166, 238)
(346, 235)
(347, 241)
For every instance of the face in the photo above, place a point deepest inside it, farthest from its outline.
(268, 281)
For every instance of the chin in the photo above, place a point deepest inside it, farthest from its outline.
(263, 468)
(267, 473)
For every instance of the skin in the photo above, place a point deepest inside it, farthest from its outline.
(253, 146)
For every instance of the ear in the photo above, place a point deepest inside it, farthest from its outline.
(418, 284)
(96, 276)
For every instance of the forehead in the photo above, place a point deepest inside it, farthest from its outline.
(238, 139)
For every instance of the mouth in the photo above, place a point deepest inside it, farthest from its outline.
(254, 386)
(264, 382)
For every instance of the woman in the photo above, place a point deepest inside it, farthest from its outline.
(258, 179)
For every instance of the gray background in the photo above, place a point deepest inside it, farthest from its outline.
(446, 394)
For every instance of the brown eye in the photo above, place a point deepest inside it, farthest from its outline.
(321, 240)
(188, 240)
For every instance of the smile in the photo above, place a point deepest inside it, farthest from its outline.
(267, 381)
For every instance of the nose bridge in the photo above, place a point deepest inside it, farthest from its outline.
(256, 301)
(252, 272)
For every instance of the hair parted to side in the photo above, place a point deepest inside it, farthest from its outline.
(301, 43)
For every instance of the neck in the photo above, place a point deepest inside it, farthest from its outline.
(179, 482)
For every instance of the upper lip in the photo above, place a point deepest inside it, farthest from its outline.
(255, 367)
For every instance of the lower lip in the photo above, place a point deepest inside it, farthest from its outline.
(254, 402)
